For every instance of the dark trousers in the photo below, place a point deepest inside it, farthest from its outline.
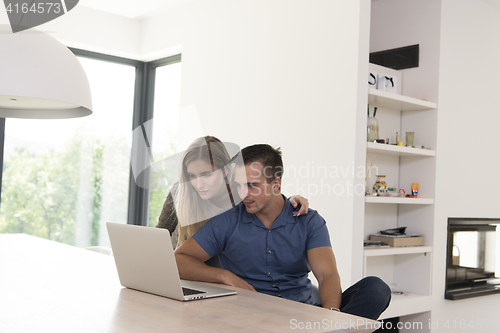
(368, 298)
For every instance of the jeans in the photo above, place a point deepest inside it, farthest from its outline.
(368, 298)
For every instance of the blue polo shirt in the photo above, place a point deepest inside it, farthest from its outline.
(273, 261)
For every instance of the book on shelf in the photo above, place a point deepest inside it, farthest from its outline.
(399, 240)
(371, 244)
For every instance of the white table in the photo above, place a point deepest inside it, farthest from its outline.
(51, 287)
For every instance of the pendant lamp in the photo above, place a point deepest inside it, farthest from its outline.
(40, 78)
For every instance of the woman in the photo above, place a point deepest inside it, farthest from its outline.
(205, 190)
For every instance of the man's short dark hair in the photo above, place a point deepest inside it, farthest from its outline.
(269, 157)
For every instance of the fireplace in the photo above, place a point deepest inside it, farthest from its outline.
(473, 258)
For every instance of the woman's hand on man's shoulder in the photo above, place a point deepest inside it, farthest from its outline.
(296, 201)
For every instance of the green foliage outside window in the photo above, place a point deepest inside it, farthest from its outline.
(161, 181)
(42, 193)
(51, 193)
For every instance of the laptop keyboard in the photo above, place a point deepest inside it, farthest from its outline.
(188, 291)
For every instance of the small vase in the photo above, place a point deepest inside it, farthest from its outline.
(380, 186)
(371, 129)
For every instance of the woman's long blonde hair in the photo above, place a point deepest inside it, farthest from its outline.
(192, 210)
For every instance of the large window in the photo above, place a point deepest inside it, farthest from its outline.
(64, 179)
(165, 126)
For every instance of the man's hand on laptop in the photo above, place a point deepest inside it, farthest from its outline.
(190, 258)
(234, 280)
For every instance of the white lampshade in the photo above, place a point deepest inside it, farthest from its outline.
(40, 78)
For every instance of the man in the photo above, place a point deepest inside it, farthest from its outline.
(263, 248)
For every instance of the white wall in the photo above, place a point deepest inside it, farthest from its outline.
(280, 73)
(467, 164)
(408, 22)
(283, 73)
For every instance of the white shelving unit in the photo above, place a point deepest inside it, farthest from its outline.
(390, 251)
(399, 200)
(397, 102)
(384, 149)
(404, 269)
(402, 305)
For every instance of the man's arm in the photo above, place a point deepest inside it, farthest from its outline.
(190, 258)
(324, 267)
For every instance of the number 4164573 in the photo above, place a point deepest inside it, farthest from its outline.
(40, 8)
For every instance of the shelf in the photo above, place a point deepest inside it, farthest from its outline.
(398, 200)
(372, 147)
(390, 251)
(408, 268)
(402, 305)
(393, 101)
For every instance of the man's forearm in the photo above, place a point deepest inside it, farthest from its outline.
(190, 259)
(330, 292)
(193, 269)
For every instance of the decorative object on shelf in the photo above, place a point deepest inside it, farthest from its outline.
(380, 186)
(388, 79)
(409, 138)
(372, 126)
(398, 142)
(372, 79)
(367, 192)
(392, 192)
(388, 83)
(414, 190)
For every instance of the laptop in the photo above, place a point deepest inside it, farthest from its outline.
(145, 261)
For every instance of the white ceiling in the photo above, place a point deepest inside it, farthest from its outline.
(137, 8)
(131, 8)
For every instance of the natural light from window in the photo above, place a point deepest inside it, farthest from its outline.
(165, 125)
(64, 179)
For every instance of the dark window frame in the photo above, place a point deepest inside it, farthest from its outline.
(138, 210)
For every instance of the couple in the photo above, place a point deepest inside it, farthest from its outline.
(262, 246)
